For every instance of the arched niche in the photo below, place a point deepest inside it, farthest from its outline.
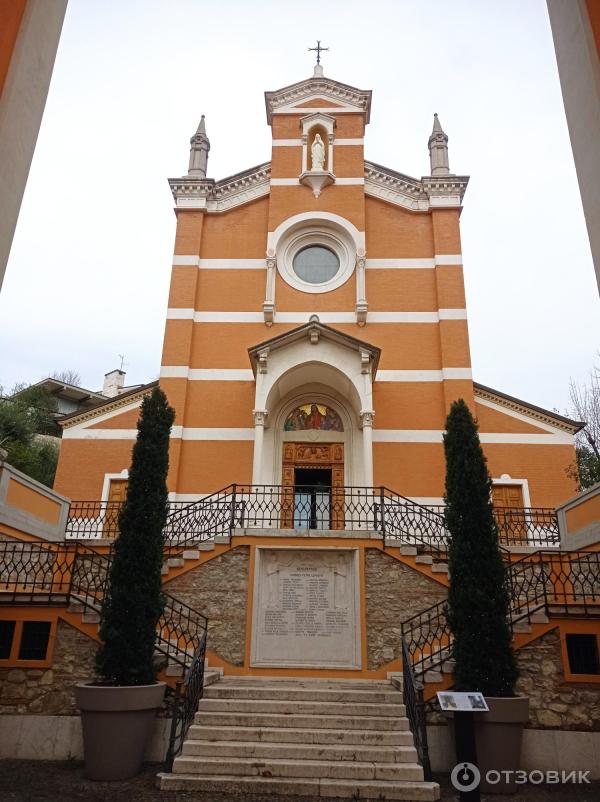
(312, 125)
(308, 393)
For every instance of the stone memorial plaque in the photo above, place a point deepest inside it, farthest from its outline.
(306, 608)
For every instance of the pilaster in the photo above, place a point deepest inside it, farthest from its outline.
(182, 294)
(453, 332)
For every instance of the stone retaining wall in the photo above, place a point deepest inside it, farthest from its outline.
(50, 691)
(394, 592)
(555, 704)
(219, 590)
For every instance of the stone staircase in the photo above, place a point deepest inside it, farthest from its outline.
(301, 737)
(432, 670)
(191, 553)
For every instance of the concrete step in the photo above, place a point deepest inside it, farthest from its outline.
(222, 719)
(433, 676)
(291, 751)
(439, 568)
(191, 554)
(303, 693)
(90, 617)
(272, 767)
(175, 562)
(222, 540)
(207, 545)
(408, 551)
(313, 788)
(316, 684)
(210, 677)
(425, 559)
(298, 735)
(300, 707)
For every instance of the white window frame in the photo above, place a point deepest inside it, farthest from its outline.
(335, 240)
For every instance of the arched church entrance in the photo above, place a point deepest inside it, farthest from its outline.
(312, 471)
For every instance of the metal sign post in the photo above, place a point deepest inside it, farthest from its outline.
(465, 775)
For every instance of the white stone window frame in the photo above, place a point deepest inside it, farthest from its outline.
(315, 222)
(322, 235)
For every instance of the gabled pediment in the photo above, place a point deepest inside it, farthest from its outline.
(318, 101)
(314, 331)
(316, 93)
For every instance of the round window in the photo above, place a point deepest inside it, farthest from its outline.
(316, 264)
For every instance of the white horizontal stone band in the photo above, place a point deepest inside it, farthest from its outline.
(324, 317)
(232, 264)
(206, 374)
(426, 263)
(289, 143)
(412, 264)
(291, 182)
(181, 260)
(423, 375)
(379, 435)
(243, 374)
(490, 438)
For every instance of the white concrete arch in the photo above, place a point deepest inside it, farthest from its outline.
(298, 375)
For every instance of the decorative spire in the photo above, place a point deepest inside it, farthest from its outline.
(200, 146)
(438, 149)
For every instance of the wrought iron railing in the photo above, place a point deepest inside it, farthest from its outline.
(255, 507)
(558, 583)
(427, 638)
(34, 573)
(360, 509)
(523, 526)
(185, 703)
(565, 583)
(57, 573)
(414, 703)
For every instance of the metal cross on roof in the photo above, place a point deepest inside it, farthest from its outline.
(319, 50)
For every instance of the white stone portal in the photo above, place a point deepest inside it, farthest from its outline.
(306, 609)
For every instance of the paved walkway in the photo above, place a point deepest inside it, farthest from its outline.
(37, 781)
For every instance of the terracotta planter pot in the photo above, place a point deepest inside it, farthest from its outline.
(117, 723)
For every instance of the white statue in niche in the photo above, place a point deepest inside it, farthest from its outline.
(317, 153)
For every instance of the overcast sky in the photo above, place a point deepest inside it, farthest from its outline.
(90, 264)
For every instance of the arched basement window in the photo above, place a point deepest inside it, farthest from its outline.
(313, 416)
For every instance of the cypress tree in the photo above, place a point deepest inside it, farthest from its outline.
(133, 600)
(478, 600)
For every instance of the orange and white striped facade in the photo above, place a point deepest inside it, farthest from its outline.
(383, 343)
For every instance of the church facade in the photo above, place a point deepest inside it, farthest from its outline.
(316, 330)
(316, 335)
